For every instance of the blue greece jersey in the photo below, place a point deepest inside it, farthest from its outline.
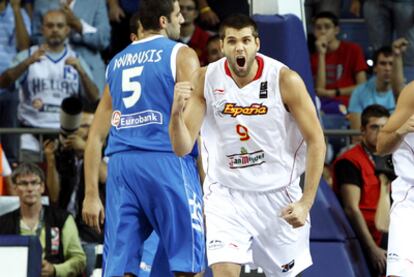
(149, 188)
(145, 73)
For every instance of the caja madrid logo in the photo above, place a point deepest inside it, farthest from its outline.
(234, 110)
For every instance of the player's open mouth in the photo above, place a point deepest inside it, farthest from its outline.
(241, 61)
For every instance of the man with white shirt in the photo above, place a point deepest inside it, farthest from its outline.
(88, 20)
(47, 74)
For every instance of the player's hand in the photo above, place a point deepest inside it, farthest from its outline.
(296, 214)
(399, 46)
(48, 270)
(182, 92)
(322, 45)
(93, 213)
(407, 127)
(378, 257)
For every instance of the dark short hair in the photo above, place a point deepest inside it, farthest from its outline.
(134, 23)
(385, 50)
(238, 22)
(27, 169)
(329, 15)
(373, 111)
(150, 11)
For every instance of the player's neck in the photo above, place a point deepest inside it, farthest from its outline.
(150, 33)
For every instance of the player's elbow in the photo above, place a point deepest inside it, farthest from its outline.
(180, 151)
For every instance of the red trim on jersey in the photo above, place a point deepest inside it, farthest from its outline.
(259, 72)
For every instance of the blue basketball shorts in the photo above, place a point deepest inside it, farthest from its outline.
(156, 192)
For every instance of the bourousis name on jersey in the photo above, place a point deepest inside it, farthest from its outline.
(254, 109)
(147, 56)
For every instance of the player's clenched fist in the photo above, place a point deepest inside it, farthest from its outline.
(182, 92)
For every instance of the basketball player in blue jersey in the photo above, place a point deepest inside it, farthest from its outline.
(149, 187)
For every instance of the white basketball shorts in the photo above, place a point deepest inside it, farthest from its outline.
(400, 258)
(246, 228)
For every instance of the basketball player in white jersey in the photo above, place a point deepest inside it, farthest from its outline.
(397, 136)
(260, 132)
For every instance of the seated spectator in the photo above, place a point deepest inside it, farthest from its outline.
(46, 75)
(66, 183)
(15, 29)
(6, 187)
(361, 179)
(337, 66)
(190, 33)
(214, 52)
(90, 30)
(56, 229)
(377, 90)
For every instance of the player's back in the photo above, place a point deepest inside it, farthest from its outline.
(141, 81)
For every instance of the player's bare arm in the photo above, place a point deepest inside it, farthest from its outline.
(93, 210)
(400, 123)
(187, 113)
(299, 104)
(188, 68)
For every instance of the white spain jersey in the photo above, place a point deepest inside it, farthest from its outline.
(46, 84)
(403, 159)
(250, 141)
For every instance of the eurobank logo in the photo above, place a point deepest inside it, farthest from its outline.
(123, 121)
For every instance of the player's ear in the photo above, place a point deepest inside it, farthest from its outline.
(163, 21)
(258, 43)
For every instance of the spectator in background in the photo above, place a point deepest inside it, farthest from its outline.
(214, 11)
(313, 7)
(6, 187)
(56, 229)
(337, 66)
(15, 29)
(47, 74)
(362, 185)
(377, 90)
(120, 15)
(66, 183)
(214, 52)
(90, 30)
(190, 33)
(387, 19)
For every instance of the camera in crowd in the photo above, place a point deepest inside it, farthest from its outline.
(70, 120)
(70, 115)
(384, 165)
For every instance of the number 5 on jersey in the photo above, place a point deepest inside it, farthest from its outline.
(243, 132)
(134, 86)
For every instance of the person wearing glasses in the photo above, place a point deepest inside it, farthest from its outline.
(56, 229)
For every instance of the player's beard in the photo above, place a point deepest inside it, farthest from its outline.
(242, 71)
